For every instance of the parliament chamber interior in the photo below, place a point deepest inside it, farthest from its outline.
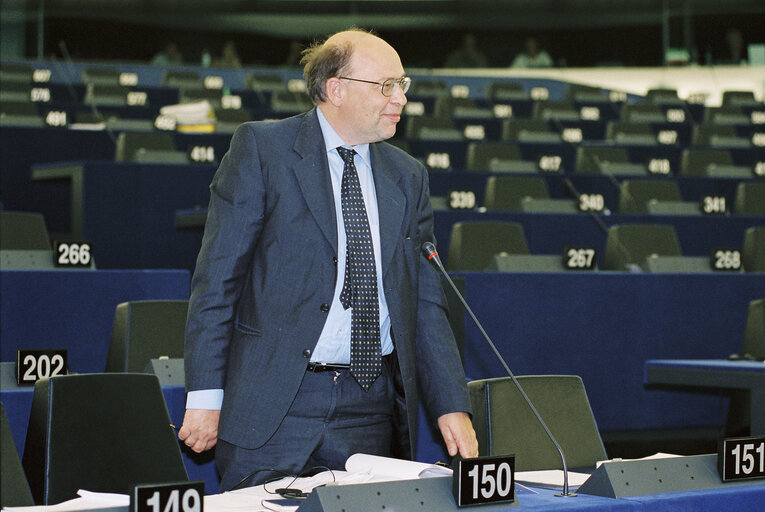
(606, 225)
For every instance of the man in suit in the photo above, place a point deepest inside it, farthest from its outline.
(281, 371)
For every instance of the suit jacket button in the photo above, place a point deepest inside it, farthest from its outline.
(334, 260)
(324, 308)
(307, 353)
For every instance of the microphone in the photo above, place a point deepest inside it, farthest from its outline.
(429, 250)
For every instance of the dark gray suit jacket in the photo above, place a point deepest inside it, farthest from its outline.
(267, 271)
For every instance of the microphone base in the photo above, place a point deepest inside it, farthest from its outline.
(567, 495)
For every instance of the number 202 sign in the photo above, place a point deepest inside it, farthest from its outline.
(169, 497)
(484, 480)
(33, 365)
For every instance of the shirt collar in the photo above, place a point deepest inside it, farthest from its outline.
(332, 140)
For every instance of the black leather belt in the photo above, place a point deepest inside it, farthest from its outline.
(326, 367)
(334, 367)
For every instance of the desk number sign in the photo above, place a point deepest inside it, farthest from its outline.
(33, 365)
(483, 480)
(168, 497)
(741, 458)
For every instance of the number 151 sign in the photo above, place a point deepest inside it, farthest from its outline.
(742, 458)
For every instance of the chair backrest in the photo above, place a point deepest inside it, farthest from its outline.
(662, 96)
(635, 194)
(514, 129)
(499, 91)
(754, 332)
(750, 199)
(696, 161)
(103, 432)
(145, 330)
(14, 489)
(631, 244)
(590, 158)
(432, 128)
(480, 154)
(738, 98)
(22, 231)
(505, 425)
(507, 192)
(754, 249)
(129, 143)
(473, 244)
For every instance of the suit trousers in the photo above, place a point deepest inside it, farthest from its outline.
(330, 419)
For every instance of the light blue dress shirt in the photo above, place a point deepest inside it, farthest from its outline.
(334, 344)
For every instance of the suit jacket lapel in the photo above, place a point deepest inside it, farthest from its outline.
(312, 173)
(390, 204)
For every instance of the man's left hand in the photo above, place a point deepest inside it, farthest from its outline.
(458, 433)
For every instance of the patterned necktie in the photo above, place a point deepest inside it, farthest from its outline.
(360, 284)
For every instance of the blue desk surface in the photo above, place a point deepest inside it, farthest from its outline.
(709, 364)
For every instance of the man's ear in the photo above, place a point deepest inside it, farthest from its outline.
(335, 89)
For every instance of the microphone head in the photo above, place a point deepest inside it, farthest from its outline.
(429, 250)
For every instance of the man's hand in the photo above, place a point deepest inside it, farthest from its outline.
(200, 429)
(458, 433)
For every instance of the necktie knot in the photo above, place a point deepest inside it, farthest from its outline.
(347, 156)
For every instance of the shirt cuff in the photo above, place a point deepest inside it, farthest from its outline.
(210, 399)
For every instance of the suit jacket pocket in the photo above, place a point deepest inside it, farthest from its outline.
(246, 329)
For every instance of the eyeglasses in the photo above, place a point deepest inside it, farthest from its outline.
(388, 85)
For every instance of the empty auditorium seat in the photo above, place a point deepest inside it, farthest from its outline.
(266, 82)
(716, 135)
(586, 94)
(650, 247)
(663, 96)
(227, 120)
(286, 102)
(750, 199)
(607, 160)
(432, 128)
(19, 113)
(428, 89)
(145, 330)
(213, 96)
(643, 113)
(23, 231)
(497, 157)
(113, 95)
(716, 163)
(182, 79)
(752, 348)
(100, 432)
(656, 197)
(473, 244)
(739, 99)
(15, 92)
(556, 110)
(626, 133)
(529, 130)
(457, 108)
(100, 76)
(753, 255)
(726, 116)
(506, 91)
(10, 72)
(521, 193)
(504, 423)
(147, 147)
(14, 489)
